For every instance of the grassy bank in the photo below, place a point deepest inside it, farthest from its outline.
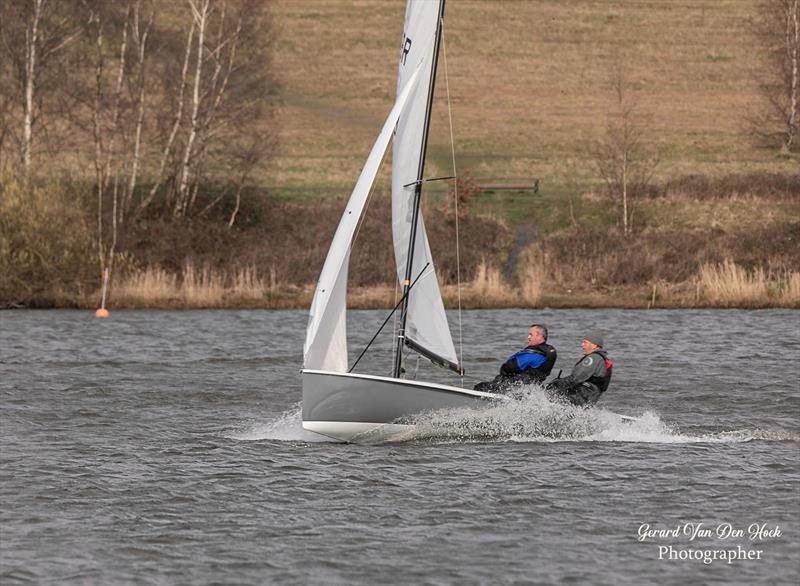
(729, 243)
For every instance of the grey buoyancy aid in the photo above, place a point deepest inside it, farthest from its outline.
(602, 381)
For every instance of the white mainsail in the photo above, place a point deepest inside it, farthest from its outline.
(426, 323)
(326, 336)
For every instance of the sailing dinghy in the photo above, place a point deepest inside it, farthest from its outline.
(336, 402)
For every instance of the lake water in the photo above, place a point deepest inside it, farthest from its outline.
(161, 447)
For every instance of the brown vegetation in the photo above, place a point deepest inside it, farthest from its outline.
(728, 284)
(682, 255)
(594, 258)
(162, 100)
(194, 287)
(207, 287)
(45, 243)
(125, 138)
(290, 241)
(272, 257)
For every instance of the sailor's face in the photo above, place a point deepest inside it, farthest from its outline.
(534, 337)
(588, 347)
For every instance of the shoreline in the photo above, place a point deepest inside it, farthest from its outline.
(383, 299)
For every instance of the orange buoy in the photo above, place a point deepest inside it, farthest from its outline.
(103, 312)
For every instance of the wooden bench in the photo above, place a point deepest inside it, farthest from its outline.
(509, 185)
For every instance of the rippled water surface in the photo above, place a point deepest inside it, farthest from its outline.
(166, 447)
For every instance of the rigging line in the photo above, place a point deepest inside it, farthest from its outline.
(388, 317)
(455, 197)
(420, 181)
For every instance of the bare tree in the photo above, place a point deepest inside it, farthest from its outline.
(140, 31)
(622, 158)
(175, 98)
(119, 35)
(792, 44)
(229, 98)
(108, 28)
(175, 124)
(251, 150)
(571, 171)
(779, 33)
(34, 34)
(10, 98)
(201, 10)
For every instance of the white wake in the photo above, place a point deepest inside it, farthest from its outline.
(530, 416)
(527, 417)
(287, 427)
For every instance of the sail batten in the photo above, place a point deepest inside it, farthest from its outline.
(326, 335)
(425, 321)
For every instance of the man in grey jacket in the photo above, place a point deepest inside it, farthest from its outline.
(590, 376)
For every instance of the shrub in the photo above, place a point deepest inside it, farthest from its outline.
(46, 243)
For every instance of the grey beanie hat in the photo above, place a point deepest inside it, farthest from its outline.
(594, 337)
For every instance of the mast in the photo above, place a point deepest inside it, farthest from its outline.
(398, 361)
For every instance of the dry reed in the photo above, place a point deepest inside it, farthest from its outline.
(196, 288)
(202, 288)
(721, 285)
(728, 284)
(152, 286)
(790, 290)
(373, 297)
(531, 278)
(489, 289)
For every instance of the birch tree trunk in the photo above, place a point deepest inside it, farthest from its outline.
(98, 140)
(45, 35)
(793, 50)
(140, 38)
(31, 42)
(105, 154)
(200, 13)
(176, 123)
(115, 110)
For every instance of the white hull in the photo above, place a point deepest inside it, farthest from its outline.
(367, 408)
(359, 432)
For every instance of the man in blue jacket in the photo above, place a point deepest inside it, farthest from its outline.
(528, 366)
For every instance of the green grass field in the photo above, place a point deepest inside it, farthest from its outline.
(531, 85)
